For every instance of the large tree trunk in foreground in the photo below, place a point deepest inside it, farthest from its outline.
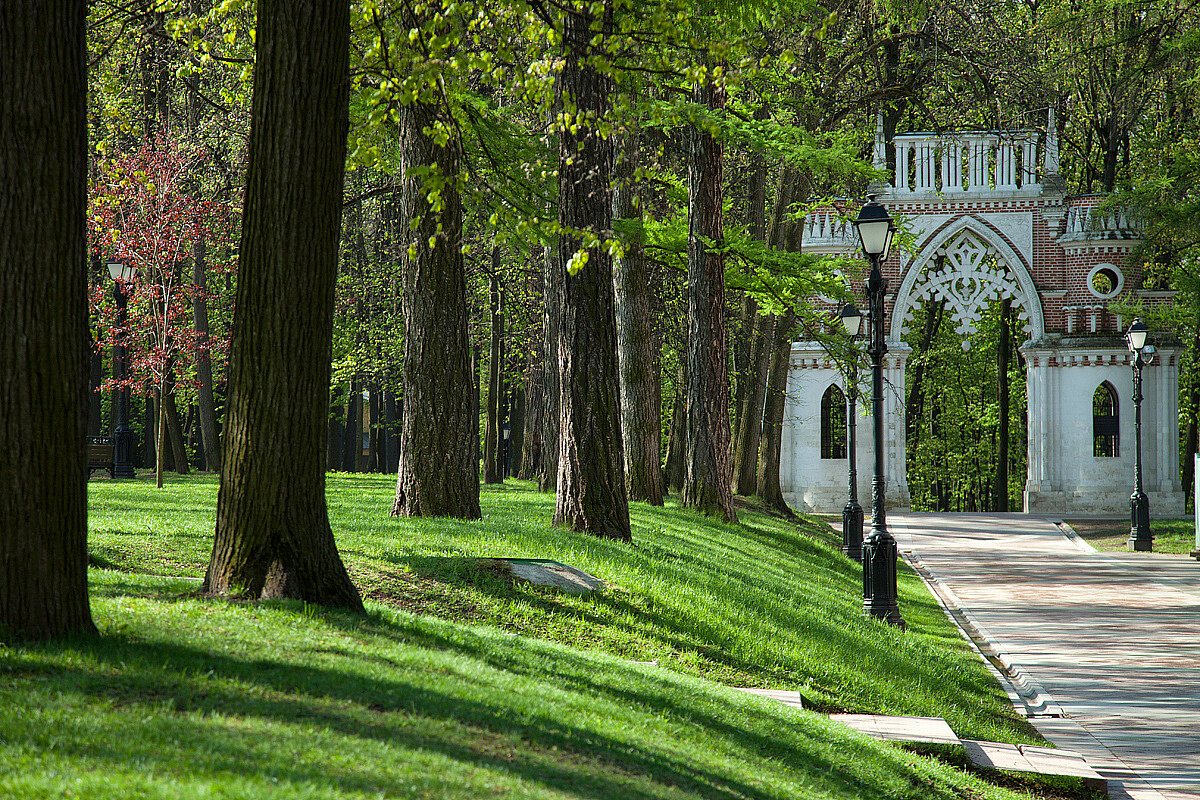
(641, 398)
(439, 439)
(273, 537)
(706, 486)
(591, 494)
(44, 339)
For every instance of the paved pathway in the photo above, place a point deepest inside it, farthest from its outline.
(1104, 649)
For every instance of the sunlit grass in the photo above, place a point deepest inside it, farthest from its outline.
(765, 603)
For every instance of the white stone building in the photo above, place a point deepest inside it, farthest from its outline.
(1005, 228)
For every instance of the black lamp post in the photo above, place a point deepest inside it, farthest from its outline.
(852, 514)
(1140, 538)
(875, 231)
(122, 273)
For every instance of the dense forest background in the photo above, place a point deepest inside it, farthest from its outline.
(777, 103)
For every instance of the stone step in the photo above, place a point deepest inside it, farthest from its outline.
(1028, 758)
(930, 730)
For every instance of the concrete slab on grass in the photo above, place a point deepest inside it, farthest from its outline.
(787, 697)
(1040, 760)
(930, 730)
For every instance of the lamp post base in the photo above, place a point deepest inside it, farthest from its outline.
(852, 531)
(879, 578)
(1141, 540)
(123, 442)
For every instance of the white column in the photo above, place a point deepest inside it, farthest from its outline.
(925, 166)
(977, 165)
(951, 166)
(1006, 167)
(901, 181)
(1029, 179)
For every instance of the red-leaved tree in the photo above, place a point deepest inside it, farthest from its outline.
(148, 208)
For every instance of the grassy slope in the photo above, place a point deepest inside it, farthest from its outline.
(195, 698)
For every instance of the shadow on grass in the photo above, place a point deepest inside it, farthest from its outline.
(419, 704)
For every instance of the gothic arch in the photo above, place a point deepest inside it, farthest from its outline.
(967, 282)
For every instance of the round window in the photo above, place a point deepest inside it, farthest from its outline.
(1105, 281)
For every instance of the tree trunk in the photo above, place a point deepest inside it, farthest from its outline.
(179, 453)
(273, 537)
(534, 405)
(637, 348)
(1191, 438)
(591, 496)
(551, 383)
(492, 470)
(439, 429)
(772, 436)
(1003, 357)
(44, 338)
(677, 439)
(336, 430)
(204, 396)
(747, 340)
(515, 447)
(373, 439)
(751, 420)
(935, 310)
(352, 441)
(709, 470)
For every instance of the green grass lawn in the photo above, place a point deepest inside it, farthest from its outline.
(460, 683)
(1176, 536)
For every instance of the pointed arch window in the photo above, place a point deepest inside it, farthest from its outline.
(833, 423)
(1106, 422)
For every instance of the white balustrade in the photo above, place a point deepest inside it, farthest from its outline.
(996, 162)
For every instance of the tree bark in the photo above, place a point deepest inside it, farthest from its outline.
(516, 444)
(709, 470)
(747, 339)
(675, 470)
(336, 429)
(590, 496)
(492, 469)
(44, 339)
(551, 383)
(205, 399)
(1003, 359)
(772, 436)
(273, 537)
(439, 429)
(352, 440)
(751, 419)
(637, 348)
(935, 310)
(179, 451)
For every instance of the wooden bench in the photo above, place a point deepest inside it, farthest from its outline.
(101, 452)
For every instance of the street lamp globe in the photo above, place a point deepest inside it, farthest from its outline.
(121, 270)
(1136, 336)
(875, 229)
(852, 320)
